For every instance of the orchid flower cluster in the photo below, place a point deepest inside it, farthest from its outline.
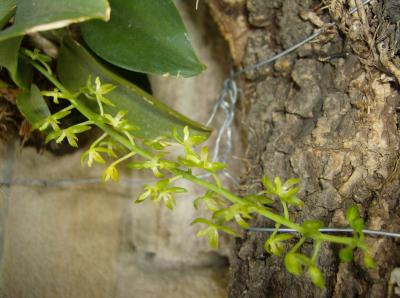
(118, 147)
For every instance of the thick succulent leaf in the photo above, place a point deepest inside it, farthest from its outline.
(20, 71)
(76, 65)
(144, 36)
(7, 9)
(42, 15)
(32, 105)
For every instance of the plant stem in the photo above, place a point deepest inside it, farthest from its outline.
(285, 209)
(278, 219)
(125, 157)
(298, 245)
(100, 106)
(337, 239)
(95, 143)
(317, 247)
(235, 199)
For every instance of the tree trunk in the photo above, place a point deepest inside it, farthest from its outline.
(326, 114)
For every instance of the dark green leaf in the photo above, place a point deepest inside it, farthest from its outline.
(154, 118)
(144, 36)
(7, 9)
(20, 71)
(32, 105)
(43, 15)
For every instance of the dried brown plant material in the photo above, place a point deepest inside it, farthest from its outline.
(386, 62)
(231, 19)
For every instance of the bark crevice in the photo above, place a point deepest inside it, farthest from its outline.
(326, 114)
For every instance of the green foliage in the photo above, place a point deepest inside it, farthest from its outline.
(75, 65)
(20, 72)
(346, 254)
(212, 231)
(163, 190)
(316, 276)
(137, 129)
(147, 34)
(32, 105)
(7, 10)
(274, 244)
(226, 208)
(69, 133)
(285, 191)
(42, 15)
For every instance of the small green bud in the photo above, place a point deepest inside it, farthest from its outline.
(346, 254)
(316, 276)
(293, 264)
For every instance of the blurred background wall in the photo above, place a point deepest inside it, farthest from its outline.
(61, 235)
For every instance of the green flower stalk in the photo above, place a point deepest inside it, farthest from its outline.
(118, 145)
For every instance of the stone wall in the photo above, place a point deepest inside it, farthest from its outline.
(63, 235)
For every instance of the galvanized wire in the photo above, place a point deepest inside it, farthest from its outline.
(226, 102)
(46, 183)
(329, 231)
(228, 98)
(228, 106)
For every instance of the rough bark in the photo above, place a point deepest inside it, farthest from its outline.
(325, 114)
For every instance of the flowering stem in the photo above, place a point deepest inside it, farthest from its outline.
(125, 157)
(100, 106)
(98, 121)
(95, 143)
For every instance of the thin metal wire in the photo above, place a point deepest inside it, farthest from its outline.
(228, 98)
(292, 48)
(284, 53)
(354, 9)
(230, 90)
(36, 182)
(226, 102)
(328, 231)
